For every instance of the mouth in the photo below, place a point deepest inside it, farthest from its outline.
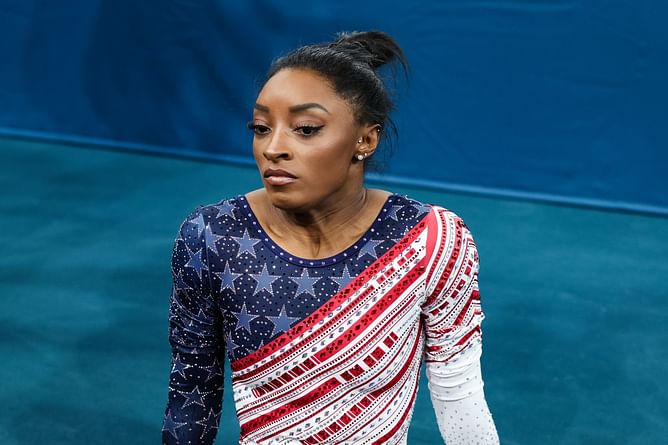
(278, 176)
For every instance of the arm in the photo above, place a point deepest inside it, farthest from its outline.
(459, 401)
(195, 391)
(452, 317)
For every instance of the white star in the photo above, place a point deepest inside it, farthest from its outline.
(370, 248)
(214, 370)
(282, 322)
(246, 243)
(264, 281)
(196, 262)
(170, 425)
(244, 319)
(179, 367)
(199, 222)
(179, 283)
(193, 397)
(211, 239)
(209, 423)
(392, 213)
(344, 279)
(305, 283)
(225, 209)
(227, 277)
(229, 343)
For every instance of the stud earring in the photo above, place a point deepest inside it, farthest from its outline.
(360, 157)
(360, 141)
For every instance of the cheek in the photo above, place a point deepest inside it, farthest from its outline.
(329, 160)
(257, 152)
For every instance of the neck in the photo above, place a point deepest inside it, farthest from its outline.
(325, 229)
(327, 217)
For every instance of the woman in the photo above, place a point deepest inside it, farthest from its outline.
(325, 295)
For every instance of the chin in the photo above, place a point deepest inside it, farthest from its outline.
(288, 200)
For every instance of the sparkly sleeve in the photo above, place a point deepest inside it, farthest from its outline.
(452, 316)
(195, 388)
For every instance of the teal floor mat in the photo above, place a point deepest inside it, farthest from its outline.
(575, 339)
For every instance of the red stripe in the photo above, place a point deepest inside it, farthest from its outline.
(473, 333)
(457, 247)
(432, 233)
(433, 332)
(448, 271)
(465, 338)
(465, 309)
(291, 406)
(474, 295)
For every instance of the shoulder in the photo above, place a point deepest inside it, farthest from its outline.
(401, 207)
(218, 218)
(449, 219)
(458, 235)
(202, 233)
(444, 224)
(450, 243)
(445, 220)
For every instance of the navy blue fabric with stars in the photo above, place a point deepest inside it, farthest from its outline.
(235, 290)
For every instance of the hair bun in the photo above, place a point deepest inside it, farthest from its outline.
(372, 47)
(350, 66)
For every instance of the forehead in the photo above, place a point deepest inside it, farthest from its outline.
(292, 86)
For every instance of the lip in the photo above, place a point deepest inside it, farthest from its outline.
(277, 176)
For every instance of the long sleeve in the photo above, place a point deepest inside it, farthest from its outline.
(194, 404)
(452, 316)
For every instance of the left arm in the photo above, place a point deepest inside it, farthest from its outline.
(452, 317)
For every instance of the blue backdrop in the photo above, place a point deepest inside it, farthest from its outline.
(552, 99)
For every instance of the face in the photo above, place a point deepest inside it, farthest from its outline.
(305, 140)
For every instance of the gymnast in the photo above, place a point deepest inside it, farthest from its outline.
(325, 296)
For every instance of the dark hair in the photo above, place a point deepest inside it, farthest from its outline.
(351, 64)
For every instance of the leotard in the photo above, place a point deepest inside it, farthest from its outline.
(325, 351)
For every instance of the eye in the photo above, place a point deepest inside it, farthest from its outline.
(258, 129)
(308, 130)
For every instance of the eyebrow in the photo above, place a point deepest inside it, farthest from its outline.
(304, 107)
(295, 108)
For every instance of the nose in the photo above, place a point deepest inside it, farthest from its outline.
(276, 147)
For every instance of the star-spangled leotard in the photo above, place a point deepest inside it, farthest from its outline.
(325, 351)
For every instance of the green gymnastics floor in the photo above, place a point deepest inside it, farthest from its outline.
(576, 335)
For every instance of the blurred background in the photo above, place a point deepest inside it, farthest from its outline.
(544, 123)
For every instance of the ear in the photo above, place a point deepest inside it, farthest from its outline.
(369, 139)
